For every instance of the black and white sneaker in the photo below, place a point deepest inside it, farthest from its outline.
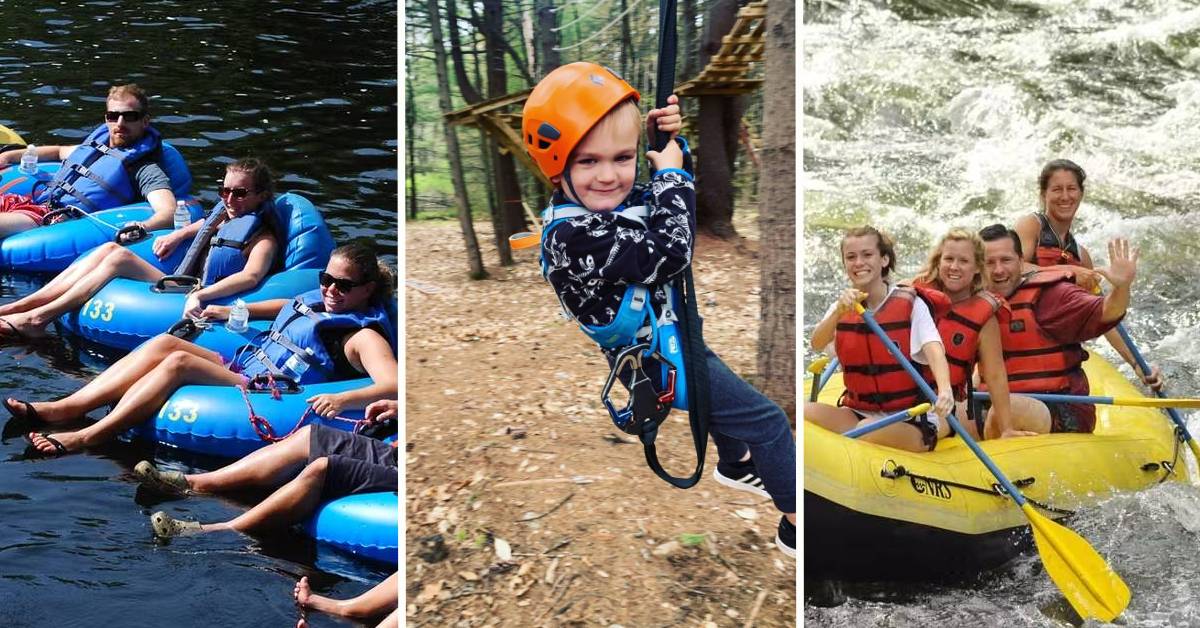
(785, 538)
(740, 475)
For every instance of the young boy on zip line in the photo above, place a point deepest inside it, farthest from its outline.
(610, 247)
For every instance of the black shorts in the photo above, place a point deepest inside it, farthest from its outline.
(929, 430)
(351, 476)
(357, 464)
(327, 441)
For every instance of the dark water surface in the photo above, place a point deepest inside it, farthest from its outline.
(922, 114)
(311, 88)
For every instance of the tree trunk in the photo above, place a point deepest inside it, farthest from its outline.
(547, 39)
(410, 126)
(689, 41)
(717, 129)
(777, 212)
(626, 42)
(510, 218)
(474, 258)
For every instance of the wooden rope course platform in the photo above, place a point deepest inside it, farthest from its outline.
(729, 71)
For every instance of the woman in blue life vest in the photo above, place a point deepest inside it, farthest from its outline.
(342, 330)
(232, 251)
(876, 385)
(970, 331)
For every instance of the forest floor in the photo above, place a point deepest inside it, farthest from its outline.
(525, 505)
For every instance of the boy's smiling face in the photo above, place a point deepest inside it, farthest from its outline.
(604, 164)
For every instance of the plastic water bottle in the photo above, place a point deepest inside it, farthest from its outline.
(29, 160)
(239, 317)
(182, 216)
(297, 364)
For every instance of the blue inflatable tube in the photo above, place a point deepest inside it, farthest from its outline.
(52, 248)
(366, 525)
(125, 312)
(215, 421)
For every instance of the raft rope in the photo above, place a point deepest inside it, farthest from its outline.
(266, 432)
(898, 471)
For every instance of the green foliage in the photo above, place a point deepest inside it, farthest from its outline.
(691, 539)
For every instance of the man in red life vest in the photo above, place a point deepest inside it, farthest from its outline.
(1051, 317)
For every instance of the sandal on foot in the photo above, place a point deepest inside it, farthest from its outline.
(168, 482)
(166, 526)
(27, 414)
(59, 448)
(12, 330)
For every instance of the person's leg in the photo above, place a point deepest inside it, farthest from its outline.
(1027, 414)
(739, 411)
(272, 465)
(119, 263)
(145, 398)
(62, 281)
(833, 418)
(108, 387)
(292, 502)
(902, 435)
(371, 603)
(15, 222)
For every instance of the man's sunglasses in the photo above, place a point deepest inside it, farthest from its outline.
(225, 192)
(343, 285)
(130, 116)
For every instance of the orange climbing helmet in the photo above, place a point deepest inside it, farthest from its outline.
(564, 106)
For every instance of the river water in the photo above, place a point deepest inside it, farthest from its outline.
(311, 88)
(922, 114)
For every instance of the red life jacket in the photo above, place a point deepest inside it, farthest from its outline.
(874, 380)
(959, 328)
(1034, 361)
(1051, 251)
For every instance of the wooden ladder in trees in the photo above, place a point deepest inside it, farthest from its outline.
(729, 71)
(496, 117)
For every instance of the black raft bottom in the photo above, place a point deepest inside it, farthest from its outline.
(843, 544)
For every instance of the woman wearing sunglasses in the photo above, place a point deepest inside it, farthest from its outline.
(340, 330)
(232, 251)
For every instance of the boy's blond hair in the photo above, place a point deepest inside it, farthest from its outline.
(619, 120)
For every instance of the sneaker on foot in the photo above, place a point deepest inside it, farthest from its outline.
(785, 538)
(166, 526)
(168, 482)
(740, 475)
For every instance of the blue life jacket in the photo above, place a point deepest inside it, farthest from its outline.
(97, 176)
(636, 319)
(225, 247)
(295, 329)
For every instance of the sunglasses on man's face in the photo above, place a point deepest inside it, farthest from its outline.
(342, 284)
(234, 192)
(130, 116)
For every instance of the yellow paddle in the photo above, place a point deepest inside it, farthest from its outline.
(1084, 577)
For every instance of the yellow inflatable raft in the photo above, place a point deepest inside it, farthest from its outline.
(876, 513)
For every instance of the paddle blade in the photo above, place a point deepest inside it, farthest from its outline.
(1083, 576)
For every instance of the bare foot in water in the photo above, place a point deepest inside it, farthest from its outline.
(56, 444)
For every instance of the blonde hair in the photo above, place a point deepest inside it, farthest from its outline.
(929, 272)
(131, 89)
(624, 117)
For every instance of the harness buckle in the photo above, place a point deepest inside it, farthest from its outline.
(645, 410)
